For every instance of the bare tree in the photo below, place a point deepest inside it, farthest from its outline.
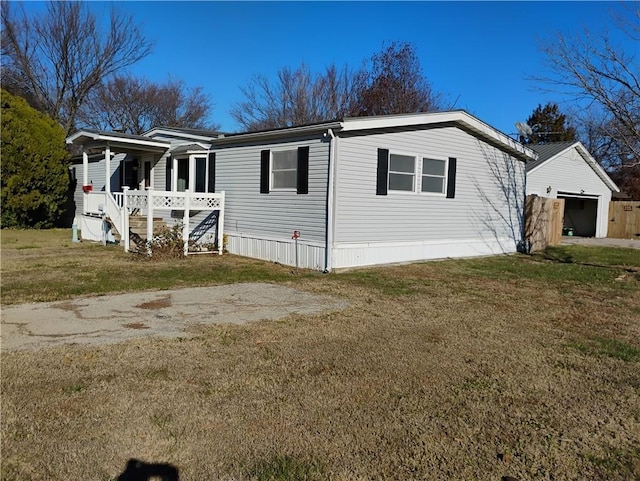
(394, 84)
(605, 79)
(58, 58)
(391, 83)
(295, 97)
(134, 105)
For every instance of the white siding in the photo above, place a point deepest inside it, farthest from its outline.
(159, 175)
(270, 219)
(569, 172)
(97, 177)
(78, 195)
(481, 217)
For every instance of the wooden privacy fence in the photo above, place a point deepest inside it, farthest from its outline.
(543, 221)
(624, 220)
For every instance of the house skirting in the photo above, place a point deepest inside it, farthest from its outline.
(348, 255)
(93, 228)
(280, 250)
(311, 255)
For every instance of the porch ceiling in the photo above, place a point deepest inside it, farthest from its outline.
(117, 142)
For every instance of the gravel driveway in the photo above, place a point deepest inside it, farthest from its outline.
(115, 318)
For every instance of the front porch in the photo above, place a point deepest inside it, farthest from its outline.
(106, 211)
(119, 186)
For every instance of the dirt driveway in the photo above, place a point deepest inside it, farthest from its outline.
(115, 318)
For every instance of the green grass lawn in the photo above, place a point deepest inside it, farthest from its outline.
(522, 366)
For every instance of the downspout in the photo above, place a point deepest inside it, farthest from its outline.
(525, 243)
(330, 201)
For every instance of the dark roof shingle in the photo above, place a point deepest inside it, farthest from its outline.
(546, 151)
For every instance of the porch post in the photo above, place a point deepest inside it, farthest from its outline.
(85, 178)
(221, 225)
(125, 218)
(149, 219)
(85, 167)
(185, 221)
(107, 161)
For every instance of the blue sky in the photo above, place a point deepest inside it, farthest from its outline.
(479, 53)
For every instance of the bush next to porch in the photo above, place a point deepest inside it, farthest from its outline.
(35, 179)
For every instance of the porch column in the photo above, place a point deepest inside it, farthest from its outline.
(107, 161)
(221, 225)
(149, 221)
(85, 167)
(124, 234)
(185, 221)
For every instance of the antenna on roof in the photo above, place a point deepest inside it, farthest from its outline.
(524, 129)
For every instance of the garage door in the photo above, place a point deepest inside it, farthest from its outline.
(580, 213)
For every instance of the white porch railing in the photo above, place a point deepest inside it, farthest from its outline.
(119, 205)
(149, 201)
(118, 197)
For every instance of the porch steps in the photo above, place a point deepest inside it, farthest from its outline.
(138, 224)
(138, 229)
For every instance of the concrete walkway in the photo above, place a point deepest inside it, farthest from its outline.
(116, 318)
(602, 242)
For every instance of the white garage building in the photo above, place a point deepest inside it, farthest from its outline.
(566, 170)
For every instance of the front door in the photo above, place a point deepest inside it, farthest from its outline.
(130, 174)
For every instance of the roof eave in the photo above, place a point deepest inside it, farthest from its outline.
(86, 136)
(582, 150)
(458, 117)
(276, 134)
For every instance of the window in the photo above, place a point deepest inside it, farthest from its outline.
(195, 172)
(284, 169)
(183, 175)
(201, 174)
(402, 170)
(398, 172)
(433, 176)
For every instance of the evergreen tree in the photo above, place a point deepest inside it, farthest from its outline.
(34, 169)
(549, 125)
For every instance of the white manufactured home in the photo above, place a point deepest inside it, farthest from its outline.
(566, 170)
(355, 192)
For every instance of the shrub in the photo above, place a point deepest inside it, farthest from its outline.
(34, 176)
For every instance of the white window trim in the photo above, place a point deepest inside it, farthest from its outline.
(415, 173)
(192, 171)
(282, 189)
(445, 177)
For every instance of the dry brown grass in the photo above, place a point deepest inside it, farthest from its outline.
(447, 370)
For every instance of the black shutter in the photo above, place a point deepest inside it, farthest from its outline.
(264, 171)
(451, 178)
(303, 170)
(383, 172)
(211, 187)
(168, 174)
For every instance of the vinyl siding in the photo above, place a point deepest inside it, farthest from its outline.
(568, 172)
(277, 214)
(480, 210)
